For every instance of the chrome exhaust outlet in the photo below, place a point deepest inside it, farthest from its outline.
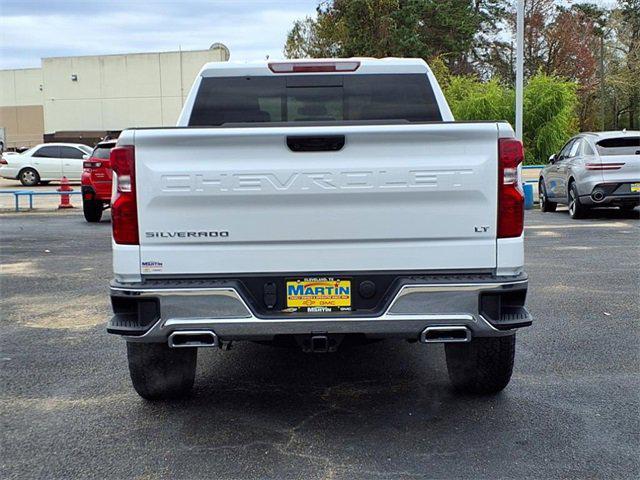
(597, 195)
(452, 334)
(193, 338)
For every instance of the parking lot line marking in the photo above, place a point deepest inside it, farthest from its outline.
(582, 225)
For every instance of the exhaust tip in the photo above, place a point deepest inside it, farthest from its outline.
(597, 195)
(451, 334)
(193, 338)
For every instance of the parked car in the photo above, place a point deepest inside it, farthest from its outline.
(593, 170)
(44, 163)
(96, 181)
(318, 204)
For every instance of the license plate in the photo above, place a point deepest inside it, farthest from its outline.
(319, 295)
(635, 187)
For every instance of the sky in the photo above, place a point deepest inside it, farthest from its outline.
(252, 29)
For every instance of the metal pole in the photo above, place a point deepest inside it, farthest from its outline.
(519, 67)
(602, 101)
(181, 85)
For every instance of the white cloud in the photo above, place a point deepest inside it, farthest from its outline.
(251, 29)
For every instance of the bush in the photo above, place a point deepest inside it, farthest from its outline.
(549, 108)
(550, 117)
(470, 99)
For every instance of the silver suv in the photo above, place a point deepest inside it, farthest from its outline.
(593, 170)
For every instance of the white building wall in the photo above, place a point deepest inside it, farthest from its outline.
(114, 92)
(20, 87)
(21, 107)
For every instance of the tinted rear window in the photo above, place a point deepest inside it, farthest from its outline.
(619, 146)
(48, 152)
(71, 152)
(102, 151)
(314, 98)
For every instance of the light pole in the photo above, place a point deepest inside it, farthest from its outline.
(519, 66)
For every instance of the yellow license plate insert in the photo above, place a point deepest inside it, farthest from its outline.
(319, 294)
(635, 187)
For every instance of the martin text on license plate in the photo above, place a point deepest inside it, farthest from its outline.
(322, 294)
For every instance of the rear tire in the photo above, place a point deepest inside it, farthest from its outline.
(545, 205)
(576, 208)
(482, 366)
(159, 372)
(29, 177)
(92, 210)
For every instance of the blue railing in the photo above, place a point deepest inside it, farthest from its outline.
(30, 193)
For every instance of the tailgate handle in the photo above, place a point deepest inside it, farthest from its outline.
(326, 143)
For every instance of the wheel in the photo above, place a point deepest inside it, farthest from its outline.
(545, 205)
(576, 208)
(29, 177)
(160, 372)
(92, 210)
(482, 366)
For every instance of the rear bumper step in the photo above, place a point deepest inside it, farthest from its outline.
(430, 312)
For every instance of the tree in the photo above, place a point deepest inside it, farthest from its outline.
(588, 51)
(559, 41)
(549, 109)
(550, 118)
(403, 28)
(627, 79)
(307, 39)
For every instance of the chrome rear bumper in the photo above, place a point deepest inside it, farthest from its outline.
(225, 312)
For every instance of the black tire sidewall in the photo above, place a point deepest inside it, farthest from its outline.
(579, 210)
(92, 210)
(482, 366)
(159, 372)
(545, 206)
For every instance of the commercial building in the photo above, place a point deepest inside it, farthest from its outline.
(21, 110)
(84, 98)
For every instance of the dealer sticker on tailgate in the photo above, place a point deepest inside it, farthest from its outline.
(319, 294)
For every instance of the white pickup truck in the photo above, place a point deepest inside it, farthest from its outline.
(317, 203)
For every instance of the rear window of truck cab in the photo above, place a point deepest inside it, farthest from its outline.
(314, 98)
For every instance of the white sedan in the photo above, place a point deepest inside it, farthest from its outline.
(44, 163)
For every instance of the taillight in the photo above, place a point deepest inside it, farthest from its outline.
(124, 210)
(311, 67)
(510, 194)
(3, 162)
(604, 166)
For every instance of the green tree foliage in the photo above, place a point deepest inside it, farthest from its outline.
(550, 118)
(471, 99)
(582, 60)
(549, 109)
(393, 28)
(622, 67)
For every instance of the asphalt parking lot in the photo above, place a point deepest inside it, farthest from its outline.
(380, 411)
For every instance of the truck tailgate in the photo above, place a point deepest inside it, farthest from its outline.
(395, 197)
